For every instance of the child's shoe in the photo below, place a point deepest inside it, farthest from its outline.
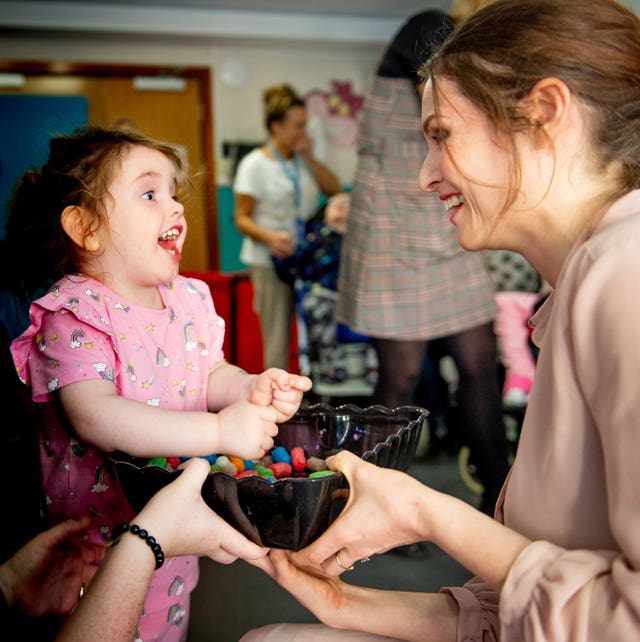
(515, 392)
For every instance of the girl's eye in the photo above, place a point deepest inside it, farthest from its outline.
(147, 196)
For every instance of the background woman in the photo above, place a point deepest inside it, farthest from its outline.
(277, 187)
(404, 279)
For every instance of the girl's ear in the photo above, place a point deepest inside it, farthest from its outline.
(76, 222)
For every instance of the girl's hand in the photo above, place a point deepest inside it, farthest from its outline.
(280, 390)
(246, 429)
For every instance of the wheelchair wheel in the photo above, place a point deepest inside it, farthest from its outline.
(467, 471)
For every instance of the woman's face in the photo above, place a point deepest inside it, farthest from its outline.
(467, 166)
(291, 128)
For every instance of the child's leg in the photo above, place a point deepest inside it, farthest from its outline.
(514, 310)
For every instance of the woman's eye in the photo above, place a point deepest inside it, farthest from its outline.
(439, 137)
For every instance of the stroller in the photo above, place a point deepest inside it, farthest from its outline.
(341, 363)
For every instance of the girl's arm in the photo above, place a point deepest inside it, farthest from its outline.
(273, 387)
(110, 422)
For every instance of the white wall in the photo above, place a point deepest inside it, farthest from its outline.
(237, 109)
(308, 52)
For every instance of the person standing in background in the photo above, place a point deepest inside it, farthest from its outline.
(404, 279)
(276, 188)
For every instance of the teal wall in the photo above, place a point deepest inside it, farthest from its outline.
(229, 237)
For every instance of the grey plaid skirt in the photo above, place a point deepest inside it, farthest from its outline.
(403, 274)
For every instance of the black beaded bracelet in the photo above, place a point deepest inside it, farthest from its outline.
(134, 529)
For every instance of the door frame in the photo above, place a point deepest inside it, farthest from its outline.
(202, 74)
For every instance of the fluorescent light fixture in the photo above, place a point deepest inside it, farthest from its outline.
(12, 80)
(159, 83)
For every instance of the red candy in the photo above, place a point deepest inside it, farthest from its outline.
(281, 469)
(298, 459)
(174, 462)
(248, 472)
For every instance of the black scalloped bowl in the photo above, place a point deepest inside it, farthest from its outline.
(292, 512)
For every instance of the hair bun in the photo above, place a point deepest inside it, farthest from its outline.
(278, 98)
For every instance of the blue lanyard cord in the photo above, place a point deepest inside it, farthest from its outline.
(292, 171)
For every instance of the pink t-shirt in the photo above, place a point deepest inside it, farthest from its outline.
(82, 330)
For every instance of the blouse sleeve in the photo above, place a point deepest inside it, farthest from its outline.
(478, 611)
(556, 594)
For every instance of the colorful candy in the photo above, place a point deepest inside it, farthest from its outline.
(277, 464)
(298, 459)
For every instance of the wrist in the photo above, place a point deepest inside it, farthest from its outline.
(136, 531)
(249, 385)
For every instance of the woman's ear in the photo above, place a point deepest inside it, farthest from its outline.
(76, 222)
(548, 105)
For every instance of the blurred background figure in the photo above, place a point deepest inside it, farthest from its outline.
(276, 188)
(404, 279)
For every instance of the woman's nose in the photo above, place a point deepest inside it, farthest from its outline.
(429, 176)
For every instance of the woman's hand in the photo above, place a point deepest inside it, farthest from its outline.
(281, 244)
(281, 390)
(385, 509)
(321, 594)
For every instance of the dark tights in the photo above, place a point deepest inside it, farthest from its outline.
(479, 405)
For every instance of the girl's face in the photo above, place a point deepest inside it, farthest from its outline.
(292, 128)
(147, 228)
(467, 167)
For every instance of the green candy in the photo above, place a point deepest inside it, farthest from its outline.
(320, 473)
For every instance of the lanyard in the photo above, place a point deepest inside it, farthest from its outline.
(292, 171)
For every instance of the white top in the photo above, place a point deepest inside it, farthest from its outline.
(265, 180)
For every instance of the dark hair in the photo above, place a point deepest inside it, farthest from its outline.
(278, 100)
(497, 55)
(36, 251)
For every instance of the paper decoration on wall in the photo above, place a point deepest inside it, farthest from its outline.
(338, 110)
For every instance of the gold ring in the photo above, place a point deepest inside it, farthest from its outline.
(344, 568)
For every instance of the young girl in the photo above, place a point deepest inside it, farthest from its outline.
(122, 352)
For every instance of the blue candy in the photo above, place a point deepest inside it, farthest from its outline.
(280, 454)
